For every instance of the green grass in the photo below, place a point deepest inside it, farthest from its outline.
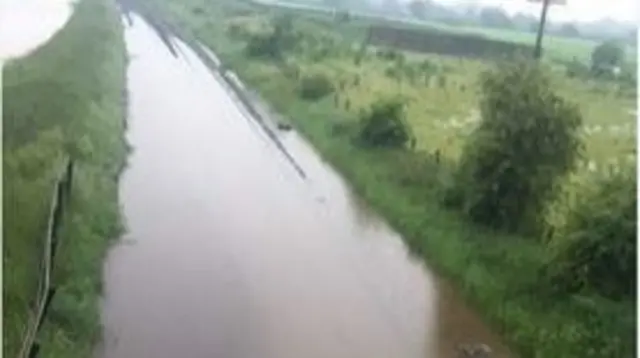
(495, 272)
(64, 98)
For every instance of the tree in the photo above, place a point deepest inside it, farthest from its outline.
(526, 142)
(569, 30)
(315, 86)
(606, 56)
(272, 45)
(418, 9)
(495, 17)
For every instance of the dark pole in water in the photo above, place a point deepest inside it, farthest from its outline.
(537, 52)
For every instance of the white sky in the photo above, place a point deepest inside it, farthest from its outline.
(27, 24)
(574, 10)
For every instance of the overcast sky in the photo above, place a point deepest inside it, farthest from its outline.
(581, 10)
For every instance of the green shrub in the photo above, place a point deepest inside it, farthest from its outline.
(577, 69)
(263, 45)
(320, 53)
(427, 80)
(384, 125)
(290, 70)
(428, 67)
(442, 81)
(596, 247)
(356, 80)
(273, 44)
(314, 86)
(238, 31)
(390, 55)
(527, 140)
(606, 56)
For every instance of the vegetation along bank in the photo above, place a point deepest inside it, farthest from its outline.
(63, 100)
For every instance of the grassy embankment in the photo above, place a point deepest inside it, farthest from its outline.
(64, 98)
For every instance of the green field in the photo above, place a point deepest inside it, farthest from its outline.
(441, 115)
(556, 48)
(63, 99)
(494, 271)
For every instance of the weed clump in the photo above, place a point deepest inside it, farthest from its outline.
(596, 247)
(315, 86)
(390, 55)
(527, 140)
(384, 125)
(272, 44)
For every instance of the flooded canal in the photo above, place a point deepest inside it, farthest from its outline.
(230, 252)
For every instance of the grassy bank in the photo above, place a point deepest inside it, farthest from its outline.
(497, 273)
(63, 99)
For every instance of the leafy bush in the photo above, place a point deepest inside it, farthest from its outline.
(577, 69)
(390, 55)
(320, 53)
(596, 248)
(428, 67)
(314, 86)
(442, 81)
(527, 140)
(238, 31)
(263, 45)
(273, 44)
(606, 56)
(356, 80)
(290, 70)
(392, 72)
(628, 80)
(384, 125)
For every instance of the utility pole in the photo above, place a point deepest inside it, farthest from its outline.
(537, 52)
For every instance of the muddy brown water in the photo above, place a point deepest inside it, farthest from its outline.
(230, 253)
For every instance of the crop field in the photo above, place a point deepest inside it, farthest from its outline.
(441, 95)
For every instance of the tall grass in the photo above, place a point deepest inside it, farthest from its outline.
(63, 99)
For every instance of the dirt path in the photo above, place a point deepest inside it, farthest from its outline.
(230, 253)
